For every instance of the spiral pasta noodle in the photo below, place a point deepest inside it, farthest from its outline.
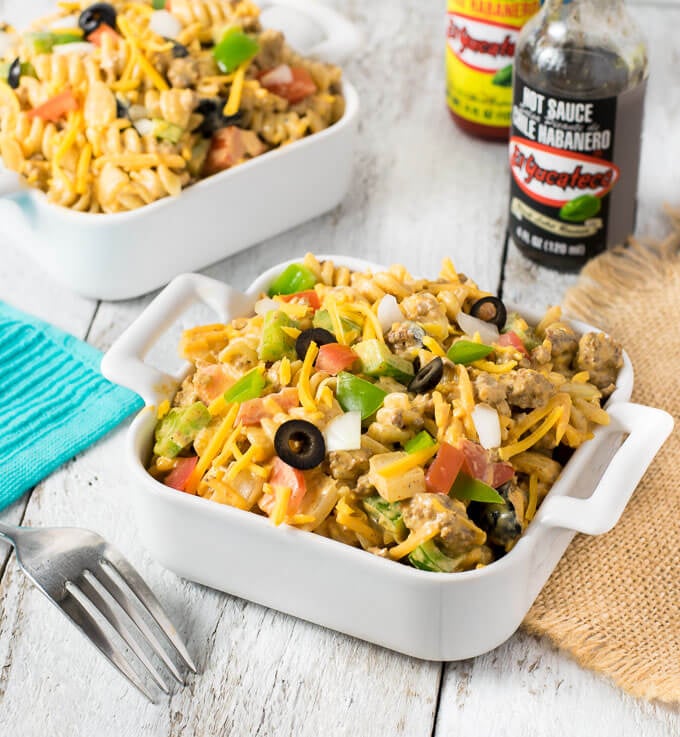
(129, 112)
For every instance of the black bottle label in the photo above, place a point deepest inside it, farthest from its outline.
(561, 160)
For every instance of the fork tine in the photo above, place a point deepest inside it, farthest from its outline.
(84, 621)
(139, 588)
(131, 608)
(120, 626)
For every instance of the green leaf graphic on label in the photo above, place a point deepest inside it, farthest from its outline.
(503, 77)
(581, 208)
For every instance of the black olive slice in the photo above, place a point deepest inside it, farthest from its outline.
(490, 309)
(213, 119)
(121, 109)
(428, 377)
(320, 336)
(14, 73)
(300, 444)
(94, 15)
(179, 51)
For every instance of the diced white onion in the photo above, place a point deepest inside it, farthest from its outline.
(488, 332)
(488, 425)
(78, 47)
(165, 24)
(265, 305)
(282, 74)
(344, 432)
(144, 126)
(389, 312)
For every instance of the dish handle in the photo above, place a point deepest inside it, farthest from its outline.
(124, 362)
(301, 21)
(647, 429)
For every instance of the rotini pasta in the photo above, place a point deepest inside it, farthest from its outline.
(415, 419)
(108, 117)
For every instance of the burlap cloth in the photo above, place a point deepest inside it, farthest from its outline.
(613, 601)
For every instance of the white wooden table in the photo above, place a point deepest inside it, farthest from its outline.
(422, 190)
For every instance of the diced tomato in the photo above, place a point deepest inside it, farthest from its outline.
(502, 473)
(310, 297)
(177, 478)
(444, 468)
(511, 338)
(301, 86)
(478, 465)
(253, 411)
(284, 475)
(96, 36)
(334, 358)
(229, 146)
(56, 107)
(210, 381)
(226, 149)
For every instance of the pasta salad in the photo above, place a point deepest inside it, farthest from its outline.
(416, 419)
(108, 107)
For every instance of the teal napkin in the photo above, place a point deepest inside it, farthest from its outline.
(54, 402)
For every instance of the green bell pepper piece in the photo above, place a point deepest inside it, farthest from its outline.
(359, 395)
(294, 278)
(275, 343)
(473, 490)
(179, 428)
(428, 557)
(386, 515)
(158, 4)
(247, 387)
(322, 319)
(466, 351)
(377, 360)
(235, 48)
(42, 42)
(166, 131)
(421, 441)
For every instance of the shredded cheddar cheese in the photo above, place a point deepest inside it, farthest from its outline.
(304, 387)
(234, 101)
(411, 460)
(433, 346)
(508, 451)
(282, 496)
(494, 368)
(284, 371)
(414, 540)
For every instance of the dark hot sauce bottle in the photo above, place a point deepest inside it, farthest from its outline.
(578, 97)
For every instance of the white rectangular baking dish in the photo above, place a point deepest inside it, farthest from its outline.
(118, 256)
(426, 615)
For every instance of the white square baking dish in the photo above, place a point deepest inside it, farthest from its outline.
(435, 616)
(123, 255)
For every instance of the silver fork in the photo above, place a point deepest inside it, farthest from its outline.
(87, 579)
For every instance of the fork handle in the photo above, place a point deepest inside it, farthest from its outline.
(9, 533)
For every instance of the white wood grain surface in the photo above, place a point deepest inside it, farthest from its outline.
(422, 190)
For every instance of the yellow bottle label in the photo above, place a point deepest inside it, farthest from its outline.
(481, 41)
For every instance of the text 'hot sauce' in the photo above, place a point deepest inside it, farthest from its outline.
(481, 43)
(578, 95)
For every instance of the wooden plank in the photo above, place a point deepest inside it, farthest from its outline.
(526, 687)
